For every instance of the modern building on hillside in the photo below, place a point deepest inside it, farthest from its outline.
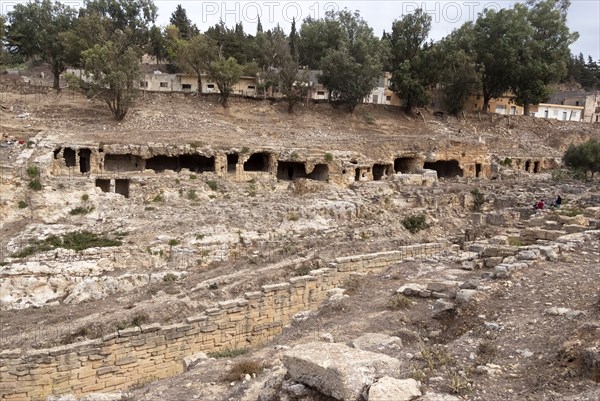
(557, 112)
(590, 101)
(504, 104)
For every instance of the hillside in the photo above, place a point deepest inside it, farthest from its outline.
(129, 249)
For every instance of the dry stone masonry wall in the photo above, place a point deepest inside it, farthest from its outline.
(140, 354)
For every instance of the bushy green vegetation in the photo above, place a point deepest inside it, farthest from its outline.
(81, 210)
(76, 241)
(415, 223)
(584, 157)
(478, 199)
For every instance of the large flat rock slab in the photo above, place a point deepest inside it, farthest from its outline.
(337, 370)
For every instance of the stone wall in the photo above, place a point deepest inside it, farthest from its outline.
(142, 354)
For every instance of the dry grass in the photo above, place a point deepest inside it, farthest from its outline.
(243, 368)
(352, 284)
(486, 351)
(397, 302)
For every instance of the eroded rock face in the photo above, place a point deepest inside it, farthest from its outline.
(337, 370)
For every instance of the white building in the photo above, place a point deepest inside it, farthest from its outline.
(557, 112)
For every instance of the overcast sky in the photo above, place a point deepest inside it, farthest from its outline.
(584, 15)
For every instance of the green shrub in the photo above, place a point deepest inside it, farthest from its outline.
(33, 172)
(212, 184)
(76, 241)
(585, 157)
(515, 241)
(191, 195)
(22, 204)
(506, 162)
(213, 286)
(85, 197)
(193, 177)
(415, 223)
(170, 278)
(35, 184)
(328, 157)
(81, 210)
(478, 199)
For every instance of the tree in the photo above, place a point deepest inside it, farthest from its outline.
(294, 85)
(112, 69)
(294, 40)
(3, 54)
(408, 59)
(109, 42)
(34, 31)
(157, 45)
(457, 71)
(225, 72)
(180, 20)
(351, 68)
(100, 19)
(194, 55)
(496, 42)
(233, 42)
(317, 37)
(132, 17)
(259, 27)
(584, 157)
(544, 55)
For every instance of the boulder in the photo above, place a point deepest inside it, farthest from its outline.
(337, 370)
(465, 296)
(377, 342)
(188, 361)
(388, 388)
(529, 254)
(442, 307)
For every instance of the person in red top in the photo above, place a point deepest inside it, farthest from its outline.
(540, 205)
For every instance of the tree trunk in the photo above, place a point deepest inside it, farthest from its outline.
(199, 85)
(56, 83)
(526, 109)
(486, 102)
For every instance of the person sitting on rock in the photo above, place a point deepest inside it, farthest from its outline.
(540, 205)
(557, 201)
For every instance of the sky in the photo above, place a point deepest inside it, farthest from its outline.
(583, 17)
